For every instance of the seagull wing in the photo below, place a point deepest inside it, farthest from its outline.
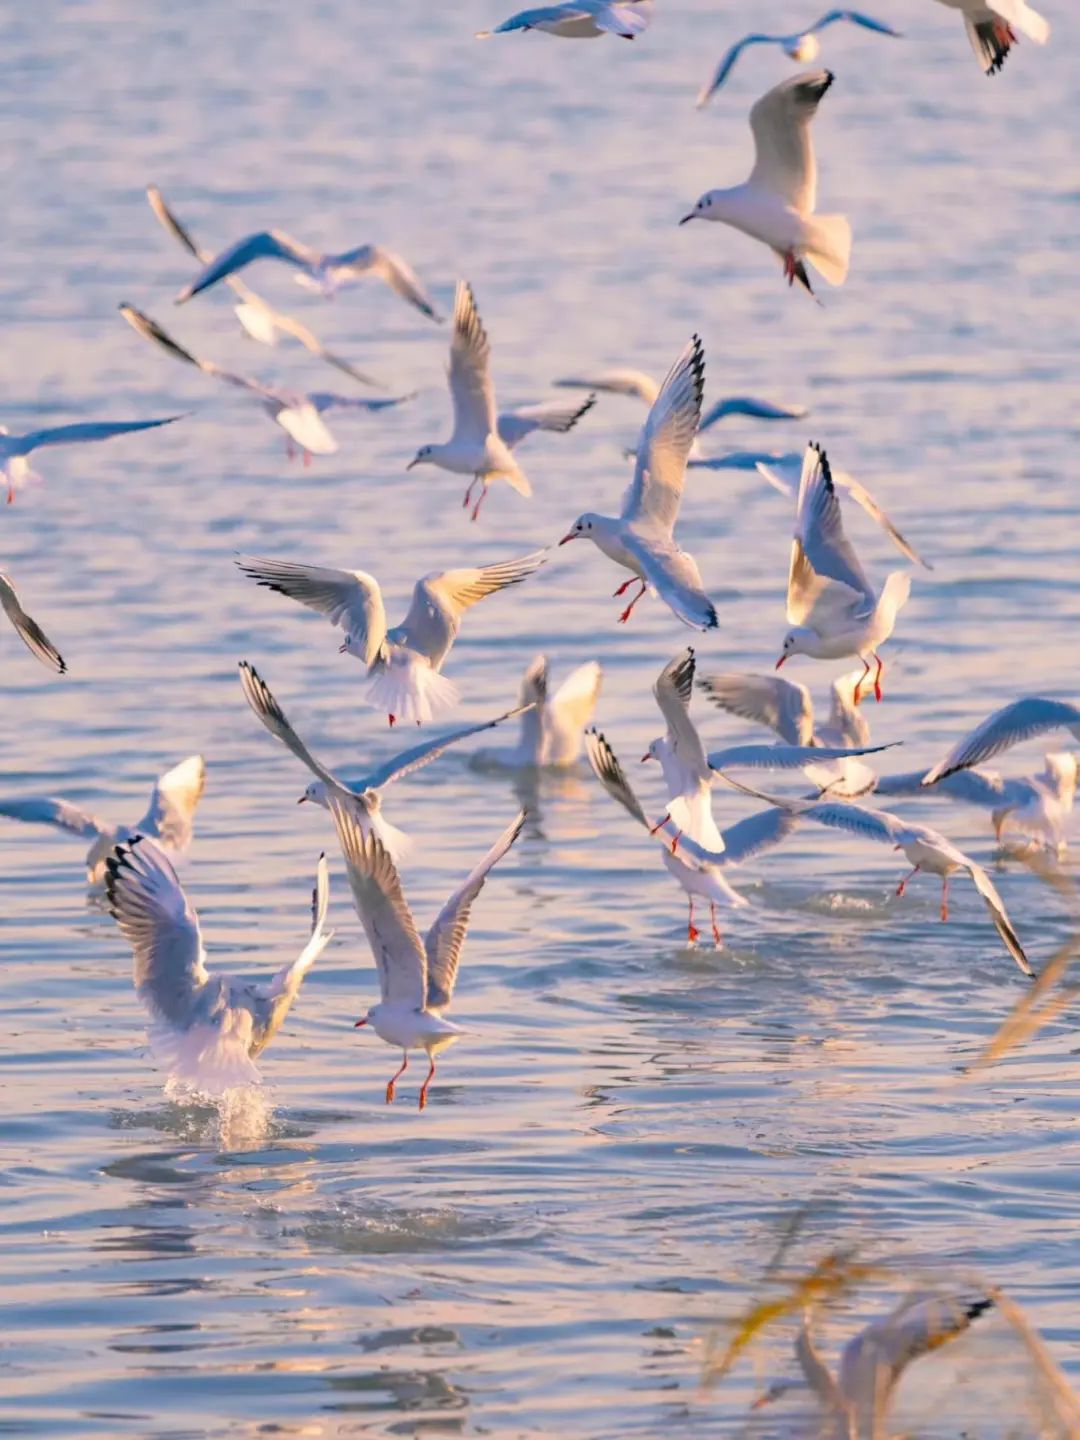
(287, 980)
(857, 819)
(567, 713)
(348, 598)
(323, 400)
(27, 629)
(417, 756)
(634, 383)
(660, 469)
(171, 225)
(265, 245)
(553, 415)
(998, 914)
(80, 433)
(854, 17)
(620, 18)
(170, 818)
(609, 772)
(863, 498)
(398, 951)
(675, 577)
(786, 757)
(673, 689)
(150, 330)
(441, 599)
(43, 810)
(874, 1360)
(471, 387)
(1022, 720)
(727, 64)
(391, 268)
(749, 837)
(258, 695)
(755, 409)
(784, 161)
(825, 576)
(971, 787)
(770, 700)
(446, 937)
(311, 342)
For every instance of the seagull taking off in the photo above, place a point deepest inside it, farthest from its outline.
(992, 27)
(416, 977)
(27, 628)
(803, 46)
(776, 205)
(206, 1030)
(315, 270)
(169, 820)
(581, 19)
(641, 539)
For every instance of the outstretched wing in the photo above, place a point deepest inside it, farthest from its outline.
(855, 17)
(786, 757)
(825, 575)
(675, 577)
(265, 245)
(874, 1360)
(27, 629)
(673, 688)
(768, 700)
(415, 758)
(655, 492)
(567, 713)
(171, 817)
(618, 381)
(999, 915)
(43, 810)
(755, 409)
(389, 267)
(455, 591)
(446, 937)
(749, 837)
(553, 415)
(150, 330)
(80, 434)
(727, 64)
(471, 387)
(609, 772)
(258, 695)
(1021, 720)
(784, 162)
(350, 599)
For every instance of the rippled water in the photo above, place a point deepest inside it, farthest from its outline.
(611, 1153)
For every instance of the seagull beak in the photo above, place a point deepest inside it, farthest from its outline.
(342, 649)
(780, 661)
(301, 800)
(645, 757)
(567, 538)
(415, 461)
(691, 216)
(358, 1023)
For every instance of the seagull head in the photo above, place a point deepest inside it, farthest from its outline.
(422, 457)
(803, 49)
(701, 209)
(316, 793)
(793, 645)
(652, 753)
(583, 525)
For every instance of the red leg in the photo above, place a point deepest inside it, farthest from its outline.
(857, 696)
(393, 720)
(789, 268)
(307, 459)
(904, 882)
(625, 616)
(945, 898)
(483, 497)
(427, 1082)
(623, 587)
(660, 824)
(718, 939)
(877, 676)
(693, 934)
(397, 1076)
(468, 493)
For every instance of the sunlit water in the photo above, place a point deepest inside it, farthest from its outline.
(610, 1154)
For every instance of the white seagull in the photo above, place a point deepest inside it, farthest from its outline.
(776, 205)
(404, 663)
(477, 446)
(315, 270)
(206, 1030)
(926, 849)
(830, 602)
(27, 628)
(169, 821)
(641, 539)
(581, 19)
(553, 723)
(803, 46)
(1021, 720)
(992, 25)
(365, 788)
(14, 449)
(298, 413)
(416, 977)
(856, 1401)
(257, 316)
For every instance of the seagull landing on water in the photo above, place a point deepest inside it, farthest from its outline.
(552, 723)
(403, 663)
(299, 414)
(364, 789)
(27, 628)
(207, 1030)
(316, 270)
(416, 977)
(776, 205)
(641, 539)
(992, 25)
(830, 602)
(14, 449)
(803, 46)
(169, 821)
(581, 19)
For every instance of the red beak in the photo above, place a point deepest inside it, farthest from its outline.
(358, 1023)
(780, 661)
(645, 757)
(301, 800)
(567, 538)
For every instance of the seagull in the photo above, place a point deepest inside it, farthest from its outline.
(641, 538)
(552, 725)
(784, 476)
(298, 413)
(992, 25)
(206, 1030)
(926, 849)
(803, 46)
(701, 879)
(1021, 720)
(315, 270)
(27, 629)
(404, 663)
(856, 1401)
(169, 820)
(257, 316)
(416, 977)
(15, 448)
(776, 204)
(366, 788)
(829, 601)
(581, 19)
(477, 447)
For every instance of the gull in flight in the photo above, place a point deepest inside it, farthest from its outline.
(14, 449)
(324, 273)
(27, 628)
(416, 977)
(169, 820)
(257, 316)
(364, 789)
(830, 602)
(299, 414)
(856, 1401)
(927, 851)
(553, 724)
(404, 663)
(641, 539)
(482, 441)
(803, 46)
(1024, 719)
(776, 205)
(581, 19)
(206, 1030)
(992, 27)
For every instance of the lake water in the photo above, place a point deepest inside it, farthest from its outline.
(612, 1153)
